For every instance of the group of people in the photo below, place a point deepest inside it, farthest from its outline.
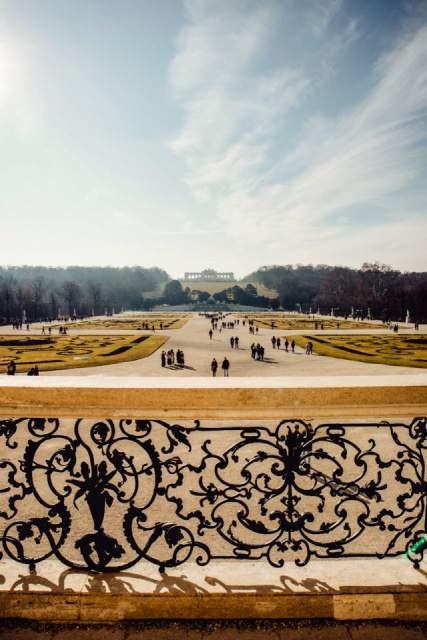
(18, 325)
(257, 351)
(229, 325)
(253, 329)
(309, 348)
(63, 330)
(277, 342)
(234, 342)
(225, 367)
(146, 327)
(34, 371)
(11, 369)
(169, 358)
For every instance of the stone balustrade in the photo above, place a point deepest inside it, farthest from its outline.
(244, 484)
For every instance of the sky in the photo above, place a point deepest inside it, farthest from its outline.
(224, 134)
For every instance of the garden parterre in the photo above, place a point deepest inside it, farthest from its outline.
(65, 352)
(400, 350)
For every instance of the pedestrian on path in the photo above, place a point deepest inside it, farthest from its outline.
(236, 342)
(278, 343)
(293, 346)
(273, 341)
(232, 342)
(214, 367)
(163, 359)
(225, 367)
(210, 333)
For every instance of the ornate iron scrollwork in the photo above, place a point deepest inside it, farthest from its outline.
(105, 494)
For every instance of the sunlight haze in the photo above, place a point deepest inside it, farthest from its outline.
(213, 133)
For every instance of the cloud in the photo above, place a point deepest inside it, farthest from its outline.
(268, 183)
(125, 219)
(220, 39)
(187, 232)
(322, 14)
(100, 191)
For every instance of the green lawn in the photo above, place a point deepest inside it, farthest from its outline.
(403, 351)
(216, 287)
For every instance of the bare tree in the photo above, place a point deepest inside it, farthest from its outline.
(377, 286)
(95, 290)
(338, 289)
(70, 292)
(7, 297)
(39, 287)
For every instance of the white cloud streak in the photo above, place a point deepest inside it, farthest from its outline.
(234, 117)
(322, 15)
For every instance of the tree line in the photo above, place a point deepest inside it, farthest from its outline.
(175, 294)
(375, 288)
(44, 292)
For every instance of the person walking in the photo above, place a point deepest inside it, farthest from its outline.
(286, 344)
(225, 367)
(278, 343)
(232, 342)
(273, 341)
(293, 346)
(210, 333)
(214, 367)
(163, 359)
(236, 342)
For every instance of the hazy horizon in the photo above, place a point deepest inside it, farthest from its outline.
(213, 134)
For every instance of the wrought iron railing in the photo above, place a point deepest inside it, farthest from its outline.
(103, 495)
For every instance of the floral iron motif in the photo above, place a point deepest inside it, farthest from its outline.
(105, 494)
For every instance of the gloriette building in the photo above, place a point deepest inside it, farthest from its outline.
(209, 275)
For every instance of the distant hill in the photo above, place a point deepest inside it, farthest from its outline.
(215, 287)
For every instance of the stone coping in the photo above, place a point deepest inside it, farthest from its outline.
(201, 398)
(342, 590)
(282, 382)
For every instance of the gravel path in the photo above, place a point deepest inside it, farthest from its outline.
(199, 349)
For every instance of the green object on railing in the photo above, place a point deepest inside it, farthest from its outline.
(419, 546)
